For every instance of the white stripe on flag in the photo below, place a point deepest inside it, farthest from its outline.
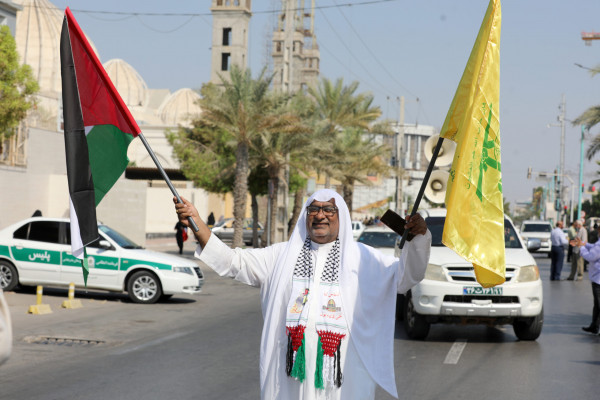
(76, 242)
(88, 129)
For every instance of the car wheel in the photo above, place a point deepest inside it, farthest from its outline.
(144, 287)
(9, 277)
(415, 324)
(529, 328)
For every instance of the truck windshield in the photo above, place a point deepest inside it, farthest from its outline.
(537, 228)
(436, 226)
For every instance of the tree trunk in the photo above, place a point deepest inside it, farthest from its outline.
(240, 193)
(274, 208)
(298, 200)
(348, 193)
(255, 242)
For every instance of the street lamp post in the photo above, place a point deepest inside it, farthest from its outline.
(580, 172)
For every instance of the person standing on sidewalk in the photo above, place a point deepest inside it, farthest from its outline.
(576, 259)
(591, 253)
(557, 251)
(181, 230)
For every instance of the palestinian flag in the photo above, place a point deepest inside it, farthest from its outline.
(98, 129)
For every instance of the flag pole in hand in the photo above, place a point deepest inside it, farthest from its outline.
(436, 151)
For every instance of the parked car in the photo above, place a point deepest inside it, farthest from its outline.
(536, 229)
(380, 237)
(224, 230)
(37, 251)
(357, 228)
(450, 293)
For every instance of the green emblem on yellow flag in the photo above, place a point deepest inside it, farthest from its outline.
(474, 225)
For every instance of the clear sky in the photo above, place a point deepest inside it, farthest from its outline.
(415, 49)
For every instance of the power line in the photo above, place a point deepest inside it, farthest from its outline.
(373, 55)
(163, 14)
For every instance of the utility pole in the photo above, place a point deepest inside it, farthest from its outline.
(561, 169)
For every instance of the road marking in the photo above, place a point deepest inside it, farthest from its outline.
(455, 351)
(151, 343)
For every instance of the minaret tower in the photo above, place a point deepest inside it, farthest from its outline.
(231, 19)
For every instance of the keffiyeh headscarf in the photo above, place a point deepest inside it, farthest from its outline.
(331, 323)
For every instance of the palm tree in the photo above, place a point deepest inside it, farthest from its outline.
(286, 144)
(590, 118)
(338, 107)
(355, 157)
(243, 109)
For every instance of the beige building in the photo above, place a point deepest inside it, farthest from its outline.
(295, 51)
(231, 20)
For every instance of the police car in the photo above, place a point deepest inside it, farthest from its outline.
(37, 251)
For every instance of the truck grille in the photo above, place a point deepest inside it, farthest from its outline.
(467, 274)
(494, 299)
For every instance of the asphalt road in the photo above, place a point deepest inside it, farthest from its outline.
(206, 347)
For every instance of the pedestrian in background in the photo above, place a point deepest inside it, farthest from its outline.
(557, 251)
(572, 233)
(576, 259)
(180, 232)
(591, 253)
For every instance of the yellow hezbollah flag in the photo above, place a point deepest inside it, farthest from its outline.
(474, 225)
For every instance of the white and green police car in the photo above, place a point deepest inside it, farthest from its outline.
(37, 251)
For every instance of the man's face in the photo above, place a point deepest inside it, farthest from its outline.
(560, 224)
(322, 228)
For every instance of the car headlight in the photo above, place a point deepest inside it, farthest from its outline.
(528, 273)
(185, 270)
(435, 273)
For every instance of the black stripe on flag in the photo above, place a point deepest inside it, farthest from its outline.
(79, 174)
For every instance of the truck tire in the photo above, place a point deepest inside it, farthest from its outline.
(529, 328)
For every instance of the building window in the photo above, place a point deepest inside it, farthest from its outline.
(225, 58)
(278, 47)
(226, 36)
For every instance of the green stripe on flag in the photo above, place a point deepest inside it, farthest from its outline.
(107, 147)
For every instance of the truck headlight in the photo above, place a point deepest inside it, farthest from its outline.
(185, 270)
(435, 273)
(528, 273)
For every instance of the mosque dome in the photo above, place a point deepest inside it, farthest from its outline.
(38, 42)
(180, 107)
(130, 85)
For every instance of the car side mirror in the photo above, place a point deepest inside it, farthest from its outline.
(105, 244)
(533, 245)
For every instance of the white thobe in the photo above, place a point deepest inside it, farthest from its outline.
(255, 267)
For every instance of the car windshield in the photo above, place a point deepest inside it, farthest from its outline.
(436, 226)
(536, 228)
(119, 238)
(378, 239)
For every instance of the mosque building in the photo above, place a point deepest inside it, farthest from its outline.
(34, 164)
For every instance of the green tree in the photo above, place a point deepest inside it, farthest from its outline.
(17, 86)
(283, 146)
(590, 118)
(338, 107)
(355, 156)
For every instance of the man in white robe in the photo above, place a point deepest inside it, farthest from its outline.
(328, 302)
